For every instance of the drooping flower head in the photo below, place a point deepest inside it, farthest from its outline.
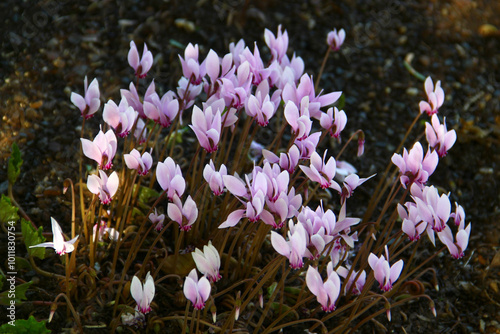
(356, 281)
(61, 247)
(296, 246)
(142, 164)
(207, 127)
(143, 65)
(89, 104)
(438, 137)
(214, 177)
(197, 291)
(113, 234)
(277, 44)
(157, 220)
(143, 294)
(435, 97)
(169, 176)
(103, 186)
(121, 117)
(208, 261)
(385, 274)
(321, 171)
(102, 149)
(335, 39)
(326, 292)
(334, 121)
(185, 215)
(414, 167)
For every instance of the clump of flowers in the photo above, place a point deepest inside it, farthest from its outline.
(247, 200)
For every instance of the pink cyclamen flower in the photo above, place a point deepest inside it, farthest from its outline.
(121, 118)
(185, 215)
(208, 261)
(277, 44)
(326, 292)
(354, 287)
(161, 111)
(305, 88)
(157, 220)
(308, 145)
(142, 164)
(321, 172)
(260, 105)
(197, 291)
(143, 65)
(300, 121)
(414, 167)
(113, 234)
(287, 161)
(207, 127)
(351, 182)
(438, 137)
(435, 210)
(191, 67)
(169, 176)
(459, 214)
(456, 248)
(295, 248)
(214, 177)
(102, 149)
(61, 247)
(103, 186)
(143, 294)
(413, 226)
(335, 39)
(252, 194)
(435, 97)
(334, 121)
(89, 104)
(385, 274)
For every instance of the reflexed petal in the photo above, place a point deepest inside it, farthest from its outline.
(78, 101)
(136, 290)
(233, 219)
(279, 244)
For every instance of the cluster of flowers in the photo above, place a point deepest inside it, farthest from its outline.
(238, 83)
(429, 211)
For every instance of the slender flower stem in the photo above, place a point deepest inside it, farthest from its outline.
(70, 307)
(271, 300)
(322, 68)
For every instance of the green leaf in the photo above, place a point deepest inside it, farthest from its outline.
(18, 295)
(8, 212)
(146, 194)
(271, 288)
(22, 263)
(22, 326)
(33, 237)
(15, 162)
(2, 279)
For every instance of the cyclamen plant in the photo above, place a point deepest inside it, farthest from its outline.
(252, 214)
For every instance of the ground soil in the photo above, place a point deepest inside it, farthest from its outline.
(49, 47)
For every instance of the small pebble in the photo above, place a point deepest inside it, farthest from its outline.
(402, 40)
(486, 170)
(412, 91)
(424, 60)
